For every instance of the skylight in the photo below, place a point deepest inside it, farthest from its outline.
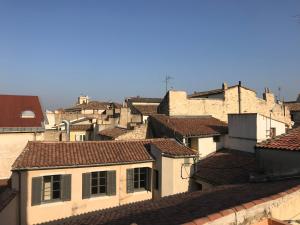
(27, 114)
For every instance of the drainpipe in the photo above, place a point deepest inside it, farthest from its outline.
(239, 96)
(67, 128)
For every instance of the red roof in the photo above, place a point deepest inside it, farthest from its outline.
(190, 125)
(226, 167)
(189, 208)
(41, 154)
(289, 141)
(12, 107)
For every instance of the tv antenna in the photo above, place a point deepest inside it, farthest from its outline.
(167, 81)
(279, 93)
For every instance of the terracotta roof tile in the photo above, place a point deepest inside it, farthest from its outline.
(144, 109)
(172, 148)
(289, 141)
(12, 107)
(73, 154)
(226, 167)
(182, 208)
(192, 125)
(93, 105)
(113, 132)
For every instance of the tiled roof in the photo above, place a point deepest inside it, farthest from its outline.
(172, 148)
(6, 196)
(93, 105)
(289, 141)
(187, 207)
(293, 106)
(191, 125)
(74, 154)
(12, 107)
(145, 110)
(81, 127)
(226, 167)
(113, 132)
(143, 100)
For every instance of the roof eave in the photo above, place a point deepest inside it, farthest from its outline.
(80, 166)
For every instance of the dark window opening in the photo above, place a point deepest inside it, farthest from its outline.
(216, 138)
(99, 183)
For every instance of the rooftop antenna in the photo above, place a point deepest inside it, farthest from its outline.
(279, 93)
(167, 80)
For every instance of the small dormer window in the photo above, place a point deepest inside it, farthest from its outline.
(27, 114)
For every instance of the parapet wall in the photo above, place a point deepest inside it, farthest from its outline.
(177, 103)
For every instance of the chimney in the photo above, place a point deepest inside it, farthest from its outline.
(224, 86)
(298, 99)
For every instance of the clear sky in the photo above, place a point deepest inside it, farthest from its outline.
(59, 49)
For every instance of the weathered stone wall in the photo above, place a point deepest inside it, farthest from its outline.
(177, 103)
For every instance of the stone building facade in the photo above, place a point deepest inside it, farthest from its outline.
(221, 102)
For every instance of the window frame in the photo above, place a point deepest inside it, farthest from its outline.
(99, 185)
(43, 200)
(137, 171)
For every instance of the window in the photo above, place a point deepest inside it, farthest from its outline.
(216, 138)
(51, 187)
(99, 183)
(80, 137)
(140, 178)
(47, 189)
(27, 114)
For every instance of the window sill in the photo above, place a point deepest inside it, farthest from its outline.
(140, 191)
(98, 197)
(51, 203)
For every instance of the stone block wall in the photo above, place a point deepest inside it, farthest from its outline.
(177, 103)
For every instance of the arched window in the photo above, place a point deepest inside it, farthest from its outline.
(27, 114)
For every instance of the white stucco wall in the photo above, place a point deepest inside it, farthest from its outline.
(174, 174)
(207, 145)
(245, 130)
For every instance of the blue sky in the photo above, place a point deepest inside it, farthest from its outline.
(113, 49)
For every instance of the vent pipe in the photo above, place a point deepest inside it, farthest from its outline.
(67, 128)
